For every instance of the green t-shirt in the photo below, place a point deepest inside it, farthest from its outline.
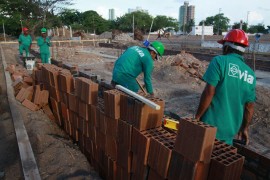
(25, 40)
(130, 64)
(235, 85)
(44, 45)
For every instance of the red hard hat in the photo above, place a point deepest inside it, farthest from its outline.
(235, 36)
(25, 29)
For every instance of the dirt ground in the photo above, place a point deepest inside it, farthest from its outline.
(59, 158)
(56, 155)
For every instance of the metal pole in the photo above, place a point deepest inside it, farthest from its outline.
(133, 28)
(4, 32)
(247, 17)
(218, 19)
(150, 29)
(203, 31)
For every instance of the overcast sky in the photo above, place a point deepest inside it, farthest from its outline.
(259, 10)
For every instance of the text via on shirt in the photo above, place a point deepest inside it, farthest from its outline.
(234, 71)
(140, 52)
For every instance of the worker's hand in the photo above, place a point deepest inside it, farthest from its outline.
(243, 135)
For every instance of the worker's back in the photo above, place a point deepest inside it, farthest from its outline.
(130, 64)
(235, 86)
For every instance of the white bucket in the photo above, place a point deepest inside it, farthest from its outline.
(30, 64)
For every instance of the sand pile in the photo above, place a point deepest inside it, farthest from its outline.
(181, 68)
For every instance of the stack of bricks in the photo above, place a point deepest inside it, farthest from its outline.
(85, 99)
(151, 153)
(192, 152)
(225, 162)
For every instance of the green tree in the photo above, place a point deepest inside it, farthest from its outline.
(219, 21)
(142, 21)
(70, 16)
(93, 22)
(259, 28)
(161, 22)
(237, 26)
(189, 25)
(30, 13)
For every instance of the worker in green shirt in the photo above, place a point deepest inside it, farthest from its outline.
(44, 43)
(133, 62)
(227, 101)
(25, 42)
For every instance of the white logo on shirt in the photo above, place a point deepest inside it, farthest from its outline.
(235, 72)
(140, 52)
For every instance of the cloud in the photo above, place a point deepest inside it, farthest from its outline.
(255, 17)
(264, 9)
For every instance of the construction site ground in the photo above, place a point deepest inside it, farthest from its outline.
(59, 158)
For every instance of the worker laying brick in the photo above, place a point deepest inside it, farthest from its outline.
(133, 62)
(227, 101)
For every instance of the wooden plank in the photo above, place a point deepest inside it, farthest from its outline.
(29, 165)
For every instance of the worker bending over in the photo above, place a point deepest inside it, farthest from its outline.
(25, 42)
(227, 101)
(44, 44)
(133, 62)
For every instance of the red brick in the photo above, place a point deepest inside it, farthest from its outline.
(16, 76)
(127, 108)
(111, 169)
(55, 94)
(47, 110)
(65, 112)
(154, 175)
(226, 166)
(122, 173)
(111, 147)
(101, 140)
(147, 117)
(112, 127)
(30, 105)
(92, 112)
(28, 80)
(64, 97)
(112, 103)
(195, 140)
(124, 134)
(53, 74)
(17, 85)
(102, 122)
(24, 94)
(83, 110)
(73, 102)
(124, 157)
(56, 107)
(66, 82)
(182, 168)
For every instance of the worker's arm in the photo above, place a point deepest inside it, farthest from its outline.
(20, 39)
(248, 113)
(205, 101)
(147, 70)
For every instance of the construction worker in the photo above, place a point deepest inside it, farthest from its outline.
(44, 43)
(133, 62)
(25, 42)
(227, 101)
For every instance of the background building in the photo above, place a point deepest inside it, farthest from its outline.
(137, 9)
(197, 30)
(111, 14)
(186, 13)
